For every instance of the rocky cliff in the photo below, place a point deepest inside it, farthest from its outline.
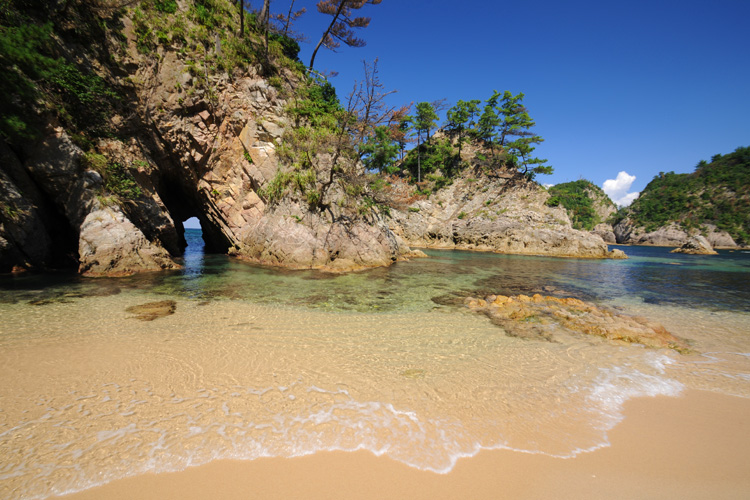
(500, 212)
(197, 119)
(588, 207)
(123, 122)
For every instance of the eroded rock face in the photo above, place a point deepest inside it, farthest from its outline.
(503, 214)
(531, 318)
(191, 154)
(605, 232)
(207, 147)
(59, 208)
(221, 157)
(671, 235)
(312, 242)
(111, 245)
(696, 245)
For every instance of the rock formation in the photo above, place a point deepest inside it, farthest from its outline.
(501, 213)
(187, 128)
(713, 201)
(696, 245)
(192, 143)
(543, 318)
(153, 310)
(670, 235)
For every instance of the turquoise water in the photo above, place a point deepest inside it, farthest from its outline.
(651, 275)
(259, 362)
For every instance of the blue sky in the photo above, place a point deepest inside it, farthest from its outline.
(637, 86)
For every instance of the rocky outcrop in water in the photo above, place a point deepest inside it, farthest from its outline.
(545, 318)
(201, 127)
(670, 235)
(152, 310)
(500, 213)
(696, 245)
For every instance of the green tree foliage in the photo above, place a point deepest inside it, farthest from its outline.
(318, 105)
(517, 123)
(436, 159)
(502, 126)
(515, 120)
(487, 125)
(380, 151)
(166, 6)
(401, 134)
(577, 199)
(424, 120)
(34, 72)
(505, 123)
(328, 141)
(460, 119)
(716, 193)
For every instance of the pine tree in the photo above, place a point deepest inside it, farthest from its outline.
(380, 151)
(342, 25)
(460, 118)
(424, 121)
(488, 122)
(516, 122)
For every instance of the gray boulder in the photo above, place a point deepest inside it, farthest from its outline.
(696, 245)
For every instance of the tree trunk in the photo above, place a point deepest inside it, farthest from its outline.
(419, 160)
(242, 18)
(325, 34)
(288, 19)
(264, 13)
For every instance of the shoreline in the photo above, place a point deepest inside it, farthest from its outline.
(696, 445)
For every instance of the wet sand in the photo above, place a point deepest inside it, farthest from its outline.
(696, 446)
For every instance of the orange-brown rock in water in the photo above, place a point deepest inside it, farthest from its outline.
(540, 317)
(153, 310)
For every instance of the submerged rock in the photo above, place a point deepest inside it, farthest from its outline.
(539, 317)
(696, 245)
(153, 310)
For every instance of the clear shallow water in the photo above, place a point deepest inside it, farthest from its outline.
(258, 362)
(651, 275)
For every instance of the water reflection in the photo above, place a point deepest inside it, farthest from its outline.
(444, 279)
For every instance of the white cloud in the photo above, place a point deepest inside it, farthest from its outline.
(627, 199)
(617, 189)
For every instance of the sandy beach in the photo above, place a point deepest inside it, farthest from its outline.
(248, 399)
(694, 446)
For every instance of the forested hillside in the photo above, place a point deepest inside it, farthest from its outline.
(586, 203)
(717, 193)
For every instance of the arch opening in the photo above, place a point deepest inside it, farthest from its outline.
(186, 207)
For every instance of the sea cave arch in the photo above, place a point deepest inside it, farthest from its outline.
(184, 204)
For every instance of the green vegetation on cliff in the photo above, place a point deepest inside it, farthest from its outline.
(65, 59)
(716, 193)
(578, 199)
(41, 76)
